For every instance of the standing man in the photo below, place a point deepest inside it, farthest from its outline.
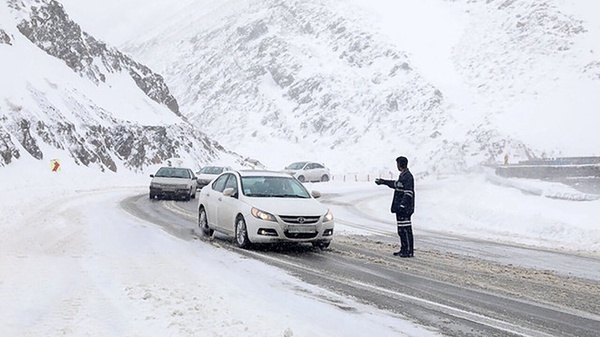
(403, 205)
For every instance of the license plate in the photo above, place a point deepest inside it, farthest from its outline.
(301, 229)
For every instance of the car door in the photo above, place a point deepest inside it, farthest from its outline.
(214, 193)
(228, 206)
(319, 170)
(193, 179)
(311, 173)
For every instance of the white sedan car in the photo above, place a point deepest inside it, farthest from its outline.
(308, 171)
(175, 182)
(208, 173)
(263, 207)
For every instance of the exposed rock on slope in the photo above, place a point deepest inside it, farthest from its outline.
(50, 109)
(50, 28)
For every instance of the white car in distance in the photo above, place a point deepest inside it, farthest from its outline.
(208, 173)
(173, 182)
(308, 171)
(264, 207)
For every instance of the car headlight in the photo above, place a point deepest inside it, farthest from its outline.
(328, 217)
(257, 213)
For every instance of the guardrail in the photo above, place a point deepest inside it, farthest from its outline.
(552, 169)
(364, 177)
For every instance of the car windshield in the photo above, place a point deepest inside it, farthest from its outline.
(212, 170)
(273, 187)
(172, 172)
(296, 166)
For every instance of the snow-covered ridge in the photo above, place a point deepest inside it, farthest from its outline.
(65, 94)
(50, 28)
(311, 72)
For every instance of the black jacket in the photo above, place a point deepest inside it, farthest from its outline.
(404, 193)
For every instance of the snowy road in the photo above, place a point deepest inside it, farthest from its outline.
(458, 285)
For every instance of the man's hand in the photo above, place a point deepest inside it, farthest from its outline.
(378, 181)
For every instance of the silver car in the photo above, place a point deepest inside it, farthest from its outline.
(263, 207)
(173, 182)
(308, 171)
(208, 173)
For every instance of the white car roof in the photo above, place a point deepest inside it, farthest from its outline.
(263, 173)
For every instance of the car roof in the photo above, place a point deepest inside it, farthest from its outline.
(262, 173)
(174, 168)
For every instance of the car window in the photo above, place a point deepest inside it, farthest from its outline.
(296, 166)
(273, 187)
(173, 172)
(219, 183)
(231, 182)
(212, 170)
(180, 173)
(163, 172)
(318, 166)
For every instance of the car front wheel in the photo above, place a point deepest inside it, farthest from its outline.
(301, 179)
(241, 233)
(325, 178)
(203, 223)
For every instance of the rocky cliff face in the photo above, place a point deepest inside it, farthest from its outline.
(51, 114)
(49, 27)
(5, 38)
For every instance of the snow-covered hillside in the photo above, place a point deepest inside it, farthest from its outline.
(65, 94)
(451, 84)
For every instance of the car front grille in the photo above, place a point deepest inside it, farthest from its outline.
(300, 220)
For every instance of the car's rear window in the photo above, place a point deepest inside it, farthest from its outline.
(212, 170)
(296, 166)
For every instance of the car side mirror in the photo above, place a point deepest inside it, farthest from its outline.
(152, 176)
(315, 194)
(230, 192)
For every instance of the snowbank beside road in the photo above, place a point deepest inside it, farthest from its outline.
(476, 207)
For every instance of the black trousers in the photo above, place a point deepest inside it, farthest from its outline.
(406, 235)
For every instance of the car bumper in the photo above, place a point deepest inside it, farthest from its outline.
(260, 231)
(169, 191)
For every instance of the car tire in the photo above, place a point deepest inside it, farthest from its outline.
(301, 179)
(151, 196)
(241, 233)
(192, 193)
(325, 178)
(203, 223)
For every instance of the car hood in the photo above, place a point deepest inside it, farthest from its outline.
(167, 180)
(206, 176)
(289, 206)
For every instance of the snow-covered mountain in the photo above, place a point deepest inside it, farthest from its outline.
(67, 94)
(450, 84)
(315, 77)
(323, 76)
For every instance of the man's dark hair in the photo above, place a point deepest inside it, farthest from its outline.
(402, 161)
